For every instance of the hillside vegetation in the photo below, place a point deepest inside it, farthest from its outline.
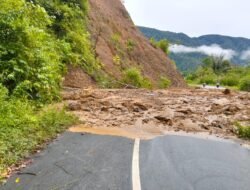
(187, 62)
(37, 40)
(218, 70)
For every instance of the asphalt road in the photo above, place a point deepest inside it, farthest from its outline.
(92, 162)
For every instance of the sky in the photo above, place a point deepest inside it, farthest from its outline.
(193, 17)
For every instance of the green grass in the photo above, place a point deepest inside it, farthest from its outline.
(23, 128)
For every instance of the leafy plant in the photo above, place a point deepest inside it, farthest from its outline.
(117, 59)
(23, 128)
(245, 84)
(230, 80)
(164, 82)
(243, 131)
(218, 64)
(162, 44)
(30, 62)
(133, 76)
(130, 45)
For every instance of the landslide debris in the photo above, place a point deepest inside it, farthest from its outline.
(153, 113)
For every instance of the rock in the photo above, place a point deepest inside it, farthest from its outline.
(185, 111)
(227, 91)
(140, 106)
(164, 120)
(74, 106)
(105, 109)
(221, 101)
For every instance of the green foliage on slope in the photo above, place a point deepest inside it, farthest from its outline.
(37, 39)
(30, 62)
(164, 82)
(133, 76)
(162, 44)
(216, 69)
(187, 62)
(23, 128)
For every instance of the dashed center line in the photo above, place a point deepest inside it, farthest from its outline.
(136, 180)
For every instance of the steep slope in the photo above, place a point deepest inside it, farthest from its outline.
(120, 45)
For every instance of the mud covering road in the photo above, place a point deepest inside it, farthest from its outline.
(171, 143)
(147, 114)
(91, 162)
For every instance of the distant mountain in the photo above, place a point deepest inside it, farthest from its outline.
(188, 61)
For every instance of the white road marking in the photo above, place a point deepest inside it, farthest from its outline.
(136, 180)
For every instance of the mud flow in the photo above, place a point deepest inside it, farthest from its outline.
(147, 114)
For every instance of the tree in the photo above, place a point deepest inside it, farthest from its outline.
(218, 64)
(30, 61)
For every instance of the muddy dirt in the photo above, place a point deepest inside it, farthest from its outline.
(146, 114)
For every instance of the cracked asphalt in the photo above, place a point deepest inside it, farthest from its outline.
(92, 162)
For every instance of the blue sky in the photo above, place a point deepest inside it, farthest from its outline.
(193, 17)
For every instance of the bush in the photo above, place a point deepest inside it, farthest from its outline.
(230, 80)
(164, 82)
(30, 62)
(208, 79)
(22, 128)
(134, 77)
(37, 39)
(163, 45)
(245, 84)
(130, 45)
(243, 131)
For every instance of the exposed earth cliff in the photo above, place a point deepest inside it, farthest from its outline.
(119, 45)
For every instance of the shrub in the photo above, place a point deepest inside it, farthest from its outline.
(22, 129)
(163, 45)
(153, 42)
(208, 79)
(30, 61)
(117, 59)
(245, 84)
(130, 45)
(230, 80)
(146, 83)
(164, 82)
(243, 131)
(37, 39)
(116, 38)
(134, 77)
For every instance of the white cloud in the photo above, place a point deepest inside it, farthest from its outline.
(245, 55)
(214, 50)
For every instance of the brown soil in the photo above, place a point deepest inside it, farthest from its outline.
(107, 19)
(146, 114)
(77, 78)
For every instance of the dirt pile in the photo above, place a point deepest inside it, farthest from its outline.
(151, 113)
(119, 45)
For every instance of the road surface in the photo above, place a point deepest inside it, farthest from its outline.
(91, 162)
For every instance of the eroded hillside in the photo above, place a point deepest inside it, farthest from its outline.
(119, 45)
